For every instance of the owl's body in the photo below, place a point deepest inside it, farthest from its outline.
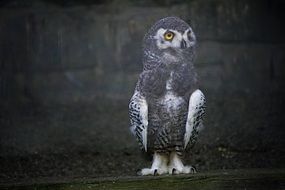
(167, 107)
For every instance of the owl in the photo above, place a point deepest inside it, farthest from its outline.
(167, 107)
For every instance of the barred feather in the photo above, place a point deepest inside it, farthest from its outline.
(138, 112)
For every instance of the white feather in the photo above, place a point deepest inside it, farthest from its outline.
(196, 98)
(144, 116)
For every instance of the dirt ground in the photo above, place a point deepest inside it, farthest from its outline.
(77, 141)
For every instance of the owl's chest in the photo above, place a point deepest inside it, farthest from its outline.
(170, 101)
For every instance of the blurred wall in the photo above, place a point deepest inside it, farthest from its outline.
(65, 54)
(67, 71)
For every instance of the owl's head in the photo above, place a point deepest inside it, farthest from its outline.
(170, 38)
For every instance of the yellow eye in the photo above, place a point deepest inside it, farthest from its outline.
(168, 35)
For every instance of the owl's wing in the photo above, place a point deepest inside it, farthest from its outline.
(196, 110)
(138, 110)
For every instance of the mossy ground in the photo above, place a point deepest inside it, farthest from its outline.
(227, 179)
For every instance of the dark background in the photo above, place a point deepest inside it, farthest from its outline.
(68, 70)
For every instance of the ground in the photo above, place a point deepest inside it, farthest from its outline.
(234, 179)
(64, 141)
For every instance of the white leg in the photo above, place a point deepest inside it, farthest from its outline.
(176, 166)
(158, 167)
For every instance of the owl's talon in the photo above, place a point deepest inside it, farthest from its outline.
(139, 172)
(155, 172)
(173, 171)
(189, 170)
(193, 170)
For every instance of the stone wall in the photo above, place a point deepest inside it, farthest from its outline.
(69, 54)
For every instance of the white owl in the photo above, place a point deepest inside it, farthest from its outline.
(167, 107)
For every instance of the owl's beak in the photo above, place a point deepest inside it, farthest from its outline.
(183, 44)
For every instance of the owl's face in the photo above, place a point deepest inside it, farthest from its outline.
(175, 39)
(170, 40)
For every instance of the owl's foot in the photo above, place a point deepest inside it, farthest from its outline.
(153, 171)
(183, 170)
(159, 166)
(176, 166)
